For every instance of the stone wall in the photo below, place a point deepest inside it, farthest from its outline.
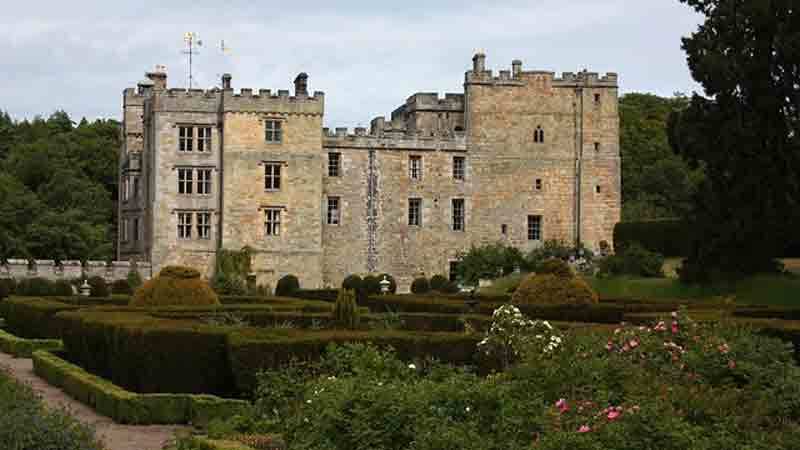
(67, 270)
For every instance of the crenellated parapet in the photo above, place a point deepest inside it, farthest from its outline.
(479, 75)
(248, 100)
(359, 139)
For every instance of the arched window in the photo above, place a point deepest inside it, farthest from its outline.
(538, 135)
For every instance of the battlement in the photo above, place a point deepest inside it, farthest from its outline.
(341, 137)
(265, 100)
(517, 77)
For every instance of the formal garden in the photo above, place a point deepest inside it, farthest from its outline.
(552, 355)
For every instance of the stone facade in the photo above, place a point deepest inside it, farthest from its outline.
(538, 151)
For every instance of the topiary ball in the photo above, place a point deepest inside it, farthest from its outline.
(438, 282)
(99, 287)
(420, 286)
(555, 266)
(175, 285)
(371, 285)
(7, 286)
(391, 280)
(63, 288)
(287, 285)
(121, 287)
(550, 289)
(352, 283)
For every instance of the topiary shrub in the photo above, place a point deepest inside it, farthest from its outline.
(99, 287)
(371, 285)
(353, 283)
(451, 287)
(438, 282)
(228, 285)
(420, 286)
(555, 266)
(391, 280)
(634, 260)
(121, 287)
(550, 289)
(287, 285)
(35, 287)
(134, 280)
(175, 285)
(63, 288)
(345, 312)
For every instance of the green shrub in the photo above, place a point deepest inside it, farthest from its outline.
(552, 289)
(35, 287)
(391, 280)
(134, 280)
(62, 288)
(33, 318)
(634, 260)
(670, 238)
(99, 287)
(438, 282)
(551, 248)
(325, 295)
(26, 424)
(450, 287)
(420, 286)
(287, 285)
(175, 285)
(372, 285)
(121, 287)
(489, 261)
(7, 287)
(345, 312)
(224, 284)
(353, 283)
(555, 266)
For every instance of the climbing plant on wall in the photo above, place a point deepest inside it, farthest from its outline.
(231, 271)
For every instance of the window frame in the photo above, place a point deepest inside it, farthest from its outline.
(415, 167)
(272, 181)
(124, 235)
(535, 227)
(333, 216)
(204, 183)
(135, 231)
(273, 131)
(459, 221)
(184, 225)
(538, 184)
(538, 135)
(459, 168)
(204, 225)
(272, 222)
(335, 170)
(185, 180)
(204, 139)
(415, 212)
(186, 138)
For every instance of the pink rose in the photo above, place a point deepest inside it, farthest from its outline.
(731, 364)
(674, 327)
(562, 405)
(584, 429)
(633, 343)
(613, 414)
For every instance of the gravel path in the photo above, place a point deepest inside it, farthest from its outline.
(113, 435)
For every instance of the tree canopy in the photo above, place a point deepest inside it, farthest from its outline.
(58, 187)
(744, 133)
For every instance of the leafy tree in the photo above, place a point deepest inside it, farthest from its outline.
(488, 261)
(744, 134)
(19, 207)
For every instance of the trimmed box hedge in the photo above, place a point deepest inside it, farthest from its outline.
(128, 407)
(33, 317)
(24, 348)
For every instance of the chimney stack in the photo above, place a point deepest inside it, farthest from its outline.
(516, 68)
(226, 81)
(479, 62)
(158, 77)
(301, 85)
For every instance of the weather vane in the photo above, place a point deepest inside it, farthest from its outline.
(192, 42)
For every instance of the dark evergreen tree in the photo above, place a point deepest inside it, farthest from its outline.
(744, 133)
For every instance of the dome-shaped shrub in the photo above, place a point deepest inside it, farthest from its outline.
(371, 285)
(175, 285)
(438, 282)
(99, 287)
(391, 280)
(549, 289)
(420, 286)
(352, 283)
(121, 287)
(555, 266)
(287, 286)
(63, 288)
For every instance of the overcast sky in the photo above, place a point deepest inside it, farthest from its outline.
(367, 56)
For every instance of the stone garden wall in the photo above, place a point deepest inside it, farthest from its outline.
(52, 270)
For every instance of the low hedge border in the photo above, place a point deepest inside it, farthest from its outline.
(129, 407)
(24, 348)
(204, 443)
(33, 317)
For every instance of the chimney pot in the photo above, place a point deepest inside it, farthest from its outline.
(226, 81)
(301, 85)
(516, 68)
(479, 62)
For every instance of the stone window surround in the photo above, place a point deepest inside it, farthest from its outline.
(333, 216)
(459, 168)
(535, 227)
(204, 225)
(459, 221)
(334, 170)
(124, 232)
(205, 182)
(192, 178)
(275, 176)
(274, 125)
(538, 135)
(272, 220)
(190, 212)
(415, 212)
(184, 225)
(416, 167)
(193, 151)
(538, 184)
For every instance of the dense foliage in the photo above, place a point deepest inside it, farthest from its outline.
(287, 285)
(26, 425)
(674, 385)
(345, 310)
(58, 188)
(668, 237)
(488, 261)
(633, 260)
(420, 285)
(231, 271)
(98, 287)
(551, 289)
(745, 133)
(175, 285)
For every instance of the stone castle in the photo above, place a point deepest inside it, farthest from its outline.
(519, 158)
